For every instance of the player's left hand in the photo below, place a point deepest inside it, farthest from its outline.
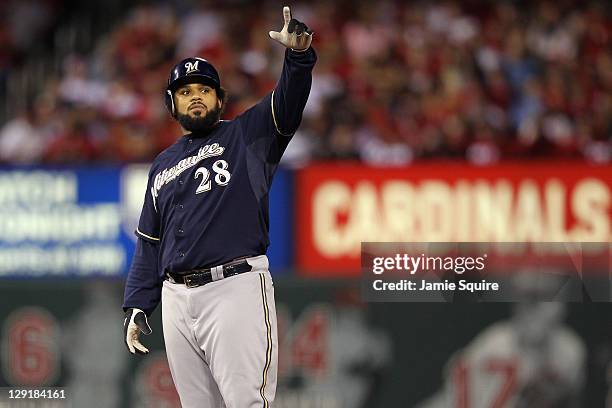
(295, 34)
(134, 323)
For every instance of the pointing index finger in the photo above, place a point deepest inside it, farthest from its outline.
(287, 14)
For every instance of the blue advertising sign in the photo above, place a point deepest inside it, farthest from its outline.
(280, 252)
(80, 221)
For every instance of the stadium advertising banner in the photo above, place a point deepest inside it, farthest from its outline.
(63, 221)
(80, 221)
(339, 206)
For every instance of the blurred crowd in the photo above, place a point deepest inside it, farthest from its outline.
(396, 82)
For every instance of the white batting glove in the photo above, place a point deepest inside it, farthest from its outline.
(134, 323)
(295, 34)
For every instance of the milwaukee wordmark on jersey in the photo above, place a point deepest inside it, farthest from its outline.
(169, 174)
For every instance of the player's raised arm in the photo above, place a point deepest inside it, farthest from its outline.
(291, 93)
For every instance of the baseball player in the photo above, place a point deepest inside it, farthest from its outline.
(203, 232)
(531, 360)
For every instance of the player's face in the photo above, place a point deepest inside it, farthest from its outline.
(196, 100)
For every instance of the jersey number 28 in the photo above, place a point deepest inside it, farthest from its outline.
(222, 176)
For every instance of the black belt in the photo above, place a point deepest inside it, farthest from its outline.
(199, 277)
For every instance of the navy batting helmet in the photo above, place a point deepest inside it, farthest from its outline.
(190, 70)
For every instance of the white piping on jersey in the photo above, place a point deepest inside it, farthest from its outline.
(274, 117)
(167, 175)
(145, 235)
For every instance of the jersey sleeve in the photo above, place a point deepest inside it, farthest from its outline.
(143, 285)
(268, 126)
(149, 223)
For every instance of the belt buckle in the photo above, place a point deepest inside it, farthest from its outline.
(188, 282)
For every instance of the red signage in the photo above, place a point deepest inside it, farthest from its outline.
(340, 205)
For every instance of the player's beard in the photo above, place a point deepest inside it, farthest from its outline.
(200, 123)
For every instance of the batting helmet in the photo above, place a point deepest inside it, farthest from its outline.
(190, 70)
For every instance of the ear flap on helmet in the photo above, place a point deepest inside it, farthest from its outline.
(169, 100)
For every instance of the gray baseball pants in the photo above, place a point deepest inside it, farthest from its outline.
(222, 341)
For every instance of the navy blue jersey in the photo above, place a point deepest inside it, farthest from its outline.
(207, 195)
